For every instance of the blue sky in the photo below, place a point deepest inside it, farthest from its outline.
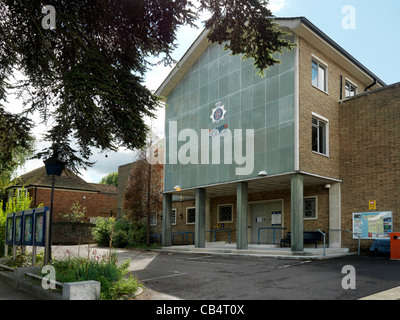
(373, 40)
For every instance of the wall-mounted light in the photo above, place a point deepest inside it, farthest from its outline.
(263, 174)
(178, 188)
(181, 216)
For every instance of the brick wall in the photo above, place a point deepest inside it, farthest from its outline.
(370, 155)
(68, 233)
(326, 105)
(322, 222)
(97, 204)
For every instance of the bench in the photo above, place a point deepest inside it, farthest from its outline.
(308, 237)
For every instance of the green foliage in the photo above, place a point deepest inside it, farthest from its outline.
(104, 269)
(102, 231)
(16, 141)
(124, 233)
(88, 73)
(76, 213)
(111, 179)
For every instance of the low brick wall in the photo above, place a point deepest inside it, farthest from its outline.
(70, 233)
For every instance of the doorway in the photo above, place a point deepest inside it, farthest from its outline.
(266, 215)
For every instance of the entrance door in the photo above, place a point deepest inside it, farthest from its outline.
(266, 215)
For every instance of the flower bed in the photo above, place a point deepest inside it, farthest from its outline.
(104, 269)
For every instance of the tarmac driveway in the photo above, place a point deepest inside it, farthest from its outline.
(216, 277)
(189, 276)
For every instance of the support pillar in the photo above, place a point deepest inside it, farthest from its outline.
(200, 227)
(242, 227)
(335, 221)
(297, 212)
(167, 220)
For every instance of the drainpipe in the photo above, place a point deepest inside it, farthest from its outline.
(371, 85)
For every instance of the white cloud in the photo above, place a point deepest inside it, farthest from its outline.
(276, 5)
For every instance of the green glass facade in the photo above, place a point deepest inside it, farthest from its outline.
(265, 105)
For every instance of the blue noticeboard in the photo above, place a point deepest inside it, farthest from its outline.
(18, 227)
(10, 229)
(28, 222)
(40, 226)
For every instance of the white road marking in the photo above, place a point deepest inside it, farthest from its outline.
(163, 277)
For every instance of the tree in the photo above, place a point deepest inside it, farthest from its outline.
(143, 197)
(110, 179)
(16, 141)
(86, 72)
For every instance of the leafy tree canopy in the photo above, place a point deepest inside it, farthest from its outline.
(87, 73)
(110, 179)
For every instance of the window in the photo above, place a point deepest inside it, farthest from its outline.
(225, 213)
(319, 136)
(319, 75)
(190, 215)
(173, 217)
(153, 219)
(350, 89)
(310, 208)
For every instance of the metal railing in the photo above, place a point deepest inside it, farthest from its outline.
(324, 235)
(220, 230)
(183, 234)
(269, 228)
(353, 233)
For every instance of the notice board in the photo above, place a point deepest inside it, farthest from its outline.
(372, 225)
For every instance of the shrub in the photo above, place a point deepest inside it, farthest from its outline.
(120, 239)
(104, 269)
(125, 233)
(102, 231)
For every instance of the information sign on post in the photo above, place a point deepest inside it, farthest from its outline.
(18, 220)
(40, 227)
(28, 223)
(372, 225)
(10, 229)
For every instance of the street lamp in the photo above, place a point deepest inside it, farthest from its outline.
(54, 167)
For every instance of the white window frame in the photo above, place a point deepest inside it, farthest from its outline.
(326, 122)
(316, 208)
(173, 217)
(218, 217)
(352, 85)
(187, 215)
(321, 85)
(153, 219)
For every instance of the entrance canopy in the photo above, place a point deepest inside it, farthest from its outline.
(261, 184)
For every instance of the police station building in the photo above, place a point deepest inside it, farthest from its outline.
(309, 146)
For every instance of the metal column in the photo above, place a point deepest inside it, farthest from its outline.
(297, 212)
(242, 225)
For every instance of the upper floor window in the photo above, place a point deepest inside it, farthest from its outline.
(350, 89)
(319, 136)
(319, 75)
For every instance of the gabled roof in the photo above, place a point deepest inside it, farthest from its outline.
(300, 26)
(39, 178)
